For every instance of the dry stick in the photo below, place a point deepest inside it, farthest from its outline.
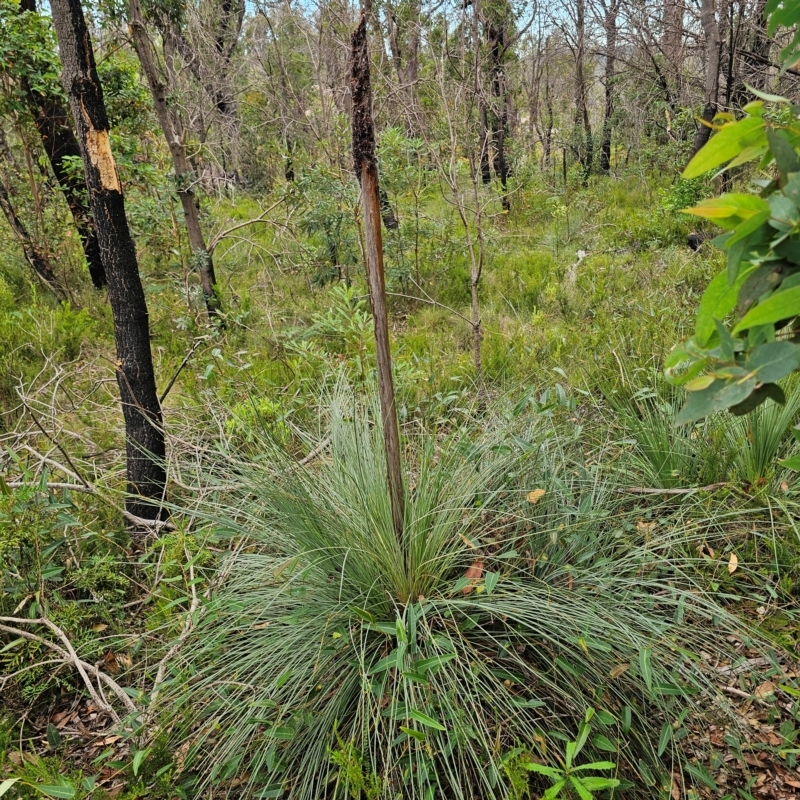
(68, 654)
(185, 361)
(56, 443)
(366, 169)
(648, 490)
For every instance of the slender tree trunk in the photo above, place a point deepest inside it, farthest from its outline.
(760, 48)
(34, 255)
(406, 63)
(672, 40)
(184, 174)
(611, 51)
(59, 142)
(366, 168)
(144, 432)
(708, 19)
(500, 115)
(585, 150)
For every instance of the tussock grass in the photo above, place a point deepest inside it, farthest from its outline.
(337, 660)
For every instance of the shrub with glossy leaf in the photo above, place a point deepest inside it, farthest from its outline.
(337, 660)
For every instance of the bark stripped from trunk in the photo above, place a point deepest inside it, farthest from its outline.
(184, 174)
(366, 168)
(144, 433)
(59, 142)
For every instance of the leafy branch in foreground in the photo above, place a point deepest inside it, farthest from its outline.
(509, 613)
(738, 366)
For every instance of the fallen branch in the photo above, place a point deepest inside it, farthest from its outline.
(68, 655)
(648, 490)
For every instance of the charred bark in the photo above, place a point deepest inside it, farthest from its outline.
(366, 167)
(496, 36)
(52, 122)
(144, 433)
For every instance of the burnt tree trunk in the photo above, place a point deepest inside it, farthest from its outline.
(144, 432)
(59, 142)
(184, 174)
(497, 48)
(34, 255)
(708, 18)
(366, 167)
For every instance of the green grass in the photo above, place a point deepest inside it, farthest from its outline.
(335, 655)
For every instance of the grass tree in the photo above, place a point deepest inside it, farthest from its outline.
(366, 167)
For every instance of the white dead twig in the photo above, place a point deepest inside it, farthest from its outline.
(68, 655)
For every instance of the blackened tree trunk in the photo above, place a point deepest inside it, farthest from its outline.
(59, 142)
(144, 432)
(366, 167)
(184, 174)
(497, 51)
(610, 25)
(708, 18)
(34, 255)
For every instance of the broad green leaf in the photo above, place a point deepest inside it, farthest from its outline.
(792, 188)
(64, 792)
(729, 210)
(664, 738)
(725, 145)
(138, 758)
(570, 753)
(595, 765)
(773, 360)
(780, 306)
(749, 226)
(53, 736)
(420, 735)
(698, 384)
(769, 391)
(762, 280)
(791, 463)
(490, 581)
(541, 769)
(554, 790)
(786, 158)
(770, 98)
(425, 664)
(784, 214)
(424, 719)
(578, 786)
(6, 785)
(702, 774)
(645, 657)
(717, 302)
(389, 662)
(720, 395)
(598, 784)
